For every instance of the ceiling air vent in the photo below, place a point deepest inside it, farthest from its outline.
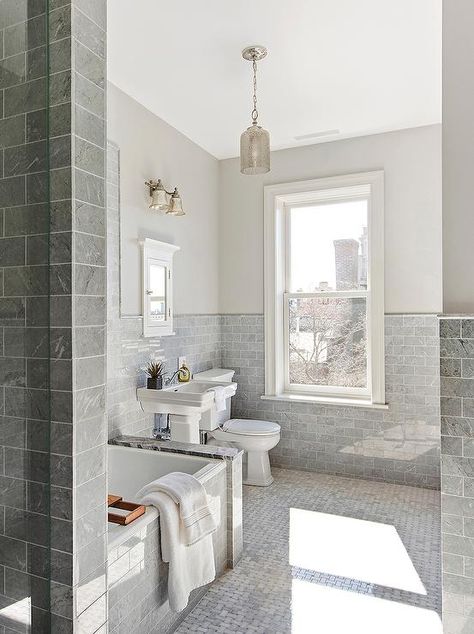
(315, 135)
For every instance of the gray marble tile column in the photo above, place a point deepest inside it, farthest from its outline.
(78, 299)
(88, 310)
(52, 289)
(36, 290)
(457, 472)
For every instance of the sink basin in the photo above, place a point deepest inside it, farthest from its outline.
(183, 399)
(190, 405)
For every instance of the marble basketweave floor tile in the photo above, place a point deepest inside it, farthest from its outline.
(314, 521)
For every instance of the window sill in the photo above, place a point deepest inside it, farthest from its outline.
(317, 400)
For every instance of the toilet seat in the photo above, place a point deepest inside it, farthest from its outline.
(249, 427)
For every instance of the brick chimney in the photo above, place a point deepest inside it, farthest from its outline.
(347, 264)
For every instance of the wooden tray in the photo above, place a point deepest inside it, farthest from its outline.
(136, 510)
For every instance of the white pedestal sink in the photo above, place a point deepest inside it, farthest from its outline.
(185, 403)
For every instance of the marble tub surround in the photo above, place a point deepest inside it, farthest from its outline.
(170, 446)
(457, 472)
(138, 578)
(233, 463)
(399, 445)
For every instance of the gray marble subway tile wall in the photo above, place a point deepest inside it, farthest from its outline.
(197, 338)
(399, 445)
(457, 473)
(35, 359)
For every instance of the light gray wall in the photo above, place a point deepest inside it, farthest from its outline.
(458, 156)
(150, 148)
(412, 163)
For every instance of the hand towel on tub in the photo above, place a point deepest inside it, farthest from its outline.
(219, 397)
(190, 567)
(190, 495)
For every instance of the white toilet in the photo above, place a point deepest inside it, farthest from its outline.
(255, 437)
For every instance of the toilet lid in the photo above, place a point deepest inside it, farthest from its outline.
(251, 427)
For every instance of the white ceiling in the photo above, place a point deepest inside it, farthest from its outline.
(357, 66)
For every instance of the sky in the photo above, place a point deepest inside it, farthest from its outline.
(313, 230)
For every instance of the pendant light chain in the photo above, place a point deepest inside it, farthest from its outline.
(254, 141)
(254, 111)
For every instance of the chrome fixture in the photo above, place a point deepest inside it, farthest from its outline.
(162, 200)
(181, 373)
(254, 141)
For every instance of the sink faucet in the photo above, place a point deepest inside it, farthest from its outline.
(183, 374)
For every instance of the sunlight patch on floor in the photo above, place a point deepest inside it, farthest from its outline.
(317, 608)
(396, 443)
(17, 612)
(348, 547)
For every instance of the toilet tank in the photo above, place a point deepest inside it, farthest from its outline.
(211, 420)
(216, 374)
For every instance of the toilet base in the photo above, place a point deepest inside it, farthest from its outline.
(253, 483)
(258, 472)
(256, 469)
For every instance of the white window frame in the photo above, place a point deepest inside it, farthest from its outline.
(277, 201)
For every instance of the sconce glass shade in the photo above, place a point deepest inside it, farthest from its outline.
(255, 150)
(159, 199)
(175, 205)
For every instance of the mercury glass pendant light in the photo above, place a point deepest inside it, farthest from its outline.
(254, 141)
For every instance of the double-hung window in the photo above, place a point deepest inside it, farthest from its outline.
(324, 302)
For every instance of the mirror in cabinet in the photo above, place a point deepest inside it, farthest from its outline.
(157, 260)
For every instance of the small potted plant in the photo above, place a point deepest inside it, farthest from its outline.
(155, 372)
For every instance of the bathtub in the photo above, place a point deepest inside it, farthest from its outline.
(137, 577)
(130, 469)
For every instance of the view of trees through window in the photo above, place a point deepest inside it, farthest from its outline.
(328, 327)
(328, 342)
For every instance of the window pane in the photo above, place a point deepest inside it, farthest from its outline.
(328, 249)
(328, 342)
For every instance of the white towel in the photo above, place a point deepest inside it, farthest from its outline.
(219, 397)
(190, 567)
(196, 520)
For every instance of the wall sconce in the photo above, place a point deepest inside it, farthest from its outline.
(162, 200)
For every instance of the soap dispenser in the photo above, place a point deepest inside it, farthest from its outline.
(184, 374)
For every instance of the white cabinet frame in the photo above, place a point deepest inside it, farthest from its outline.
(159, 253)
